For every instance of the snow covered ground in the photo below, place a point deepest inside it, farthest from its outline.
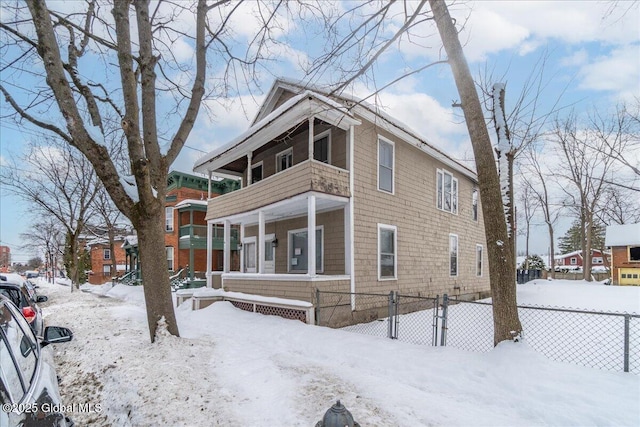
(232, 367)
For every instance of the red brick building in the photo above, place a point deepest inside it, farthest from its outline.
(102, 260)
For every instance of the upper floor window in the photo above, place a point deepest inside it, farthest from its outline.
(322, 147)
(474, 204)
(453, 255)
(479, 260)
(284, 159)
(634, 253)
(385, 165)
(168, 218)
(387, 259)
(256, 172)
(447, 192)
(106, 253)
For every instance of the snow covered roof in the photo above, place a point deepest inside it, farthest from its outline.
(294, 110)
(623, 235)
(189, 202)
(130, 240)
(373, 114)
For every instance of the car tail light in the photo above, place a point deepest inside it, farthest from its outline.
(29, 314)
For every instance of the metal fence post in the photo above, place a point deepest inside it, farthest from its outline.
(393, 315)
(436, 315)
(445, 304)
(627, 319)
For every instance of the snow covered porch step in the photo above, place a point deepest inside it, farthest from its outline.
(287, 308)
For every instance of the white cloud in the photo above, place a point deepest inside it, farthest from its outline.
(618, 72)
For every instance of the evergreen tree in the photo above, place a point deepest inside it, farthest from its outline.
(572, 239)
(533, 262)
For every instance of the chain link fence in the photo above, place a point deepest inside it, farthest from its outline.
(609, 341)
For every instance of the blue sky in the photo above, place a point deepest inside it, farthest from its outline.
(593, 56)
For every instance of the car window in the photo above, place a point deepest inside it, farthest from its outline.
(12, 294)
(11, 383)
(22, 342)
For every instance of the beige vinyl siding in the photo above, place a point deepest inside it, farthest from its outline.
(423, 230)
(333, 225)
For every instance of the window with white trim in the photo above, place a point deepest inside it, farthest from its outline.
(387, 252)
(298, 250)
(106, 254)
(574, 261)
(106, 269)
(250, 254)
(284, 159)
(168, 218)
(453, 255)
(169, 250)
(479, 260)
(386, 154)
(474, 204)
(447, 192)
(322, 147)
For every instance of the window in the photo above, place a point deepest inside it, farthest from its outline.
(249, 247)
(479, 260)
(596, 260)
(256, 173)
(385, 165)
(106, 253)
(447, 193)
(573, 261)
(16, 337)
(168, 218)
(634, 253)
(106, 269)
(453, 255)
(284, 159)
(169, 257)
(322, 147)
(298, 250)
(387, 244)
(474, 204)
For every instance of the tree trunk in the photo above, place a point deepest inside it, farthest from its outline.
(552, 251)
(153, 266)
(506, 324)
(586, 255)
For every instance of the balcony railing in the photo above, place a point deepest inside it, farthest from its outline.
(309, 175)
(198, 237)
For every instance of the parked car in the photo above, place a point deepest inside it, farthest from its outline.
(28, 383)
(32, 274)
(25, 299)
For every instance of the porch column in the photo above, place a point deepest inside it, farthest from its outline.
(209, 185)
(352, 240)
(242, 248)
(311, 235)
(311, 119)
(209, 253)
(227, 246)
(249, 172)
(261, 242)
(347, 239)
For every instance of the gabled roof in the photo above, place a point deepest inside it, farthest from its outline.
(623, 235)
(294, 110)
(367, 111)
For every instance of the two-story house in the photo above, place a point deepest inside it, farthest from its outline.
(339, 196)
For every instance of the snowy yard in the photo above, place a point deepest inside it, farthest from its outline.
(237, 368)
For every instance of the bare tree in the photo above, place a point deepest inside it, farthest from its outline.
(46, 235)
(506, 323)
(537, 183)
(589, 167)
(529, 204)
(56, 179)
(133, 53)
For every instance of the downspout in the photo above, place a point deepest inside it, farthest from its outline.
(351, 215)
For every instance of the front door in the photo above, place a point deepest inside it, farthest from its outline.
(269, 254)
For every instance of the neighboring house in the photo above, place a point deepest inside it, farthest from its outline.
(624, 241)
(574, 260)
(102, 258)
(388, 210)
(185, 225)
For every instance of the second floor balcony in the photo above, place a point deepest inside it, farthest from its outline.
(195, 236)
